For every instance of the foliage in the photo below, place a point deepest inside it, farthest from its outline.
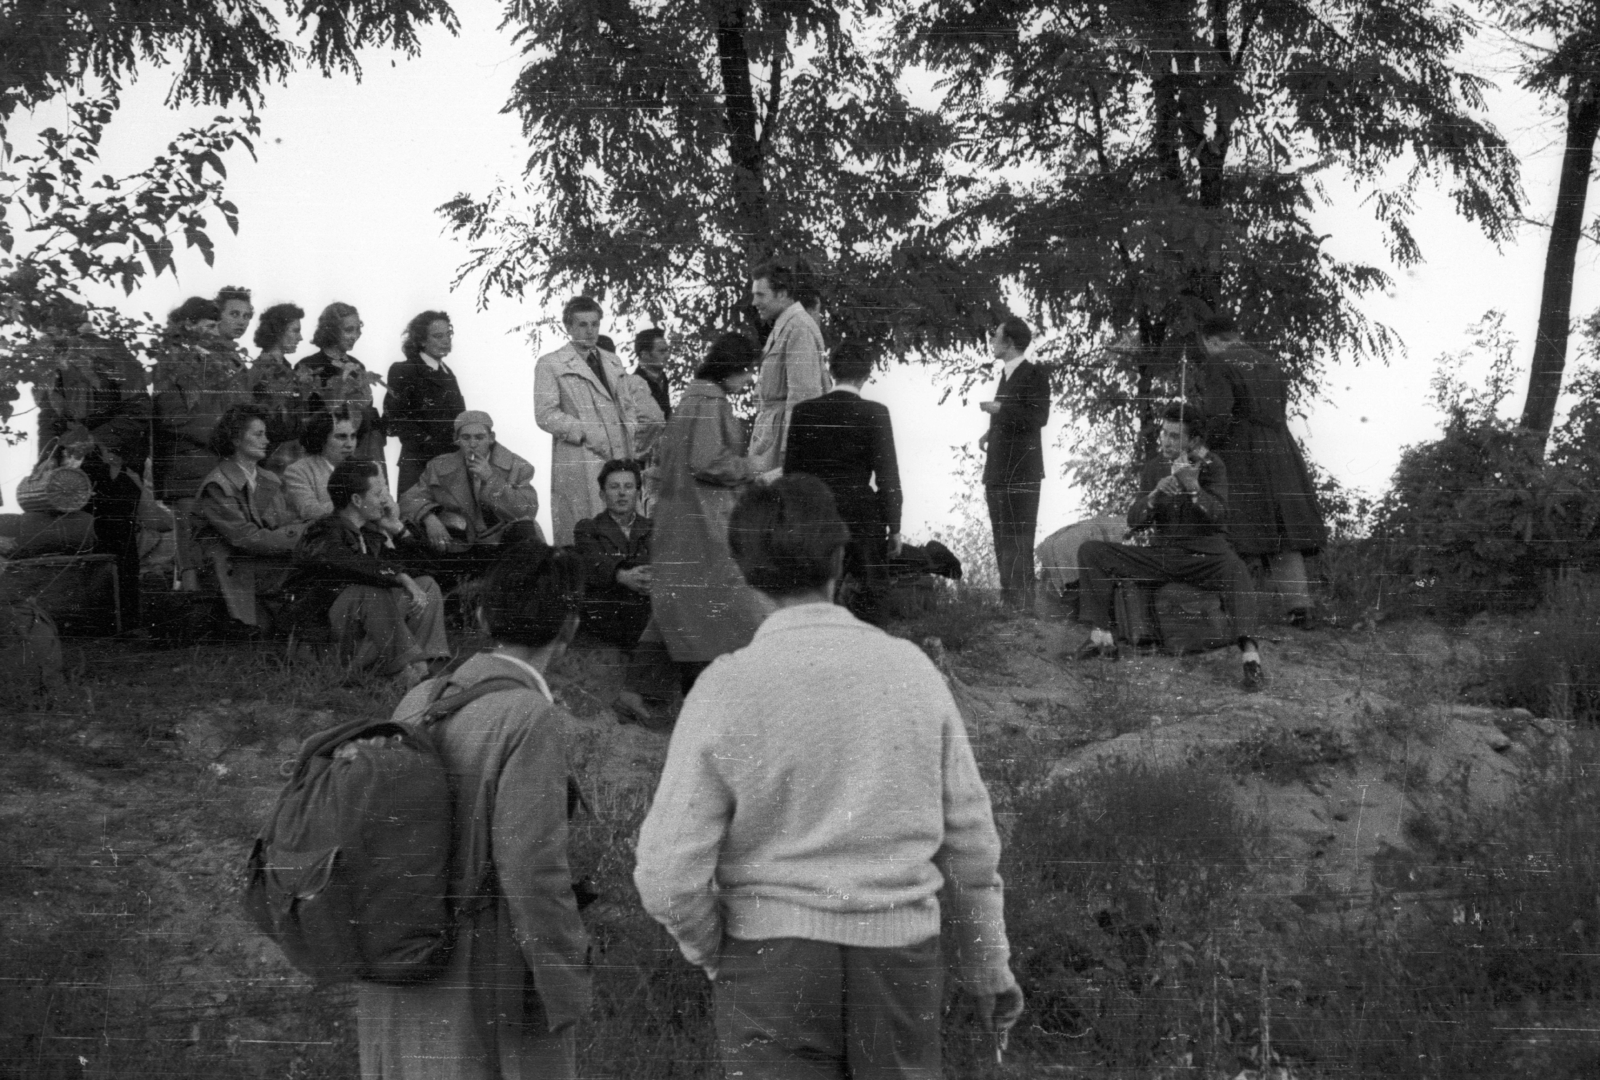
(672, 146)
(221, 53)
(1478, 518)
(1136, 166)
(1553, 668)
(971, 538)
(66, 229)
(1118, 881)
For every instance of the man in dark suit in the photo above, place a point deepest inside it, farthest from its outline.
(615, 548)
(1183, 500)
(1014, 468)
(847, 442)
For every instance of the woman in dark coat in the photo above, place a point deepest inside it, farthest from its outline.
(337, 378)
(1273, 515)
(276, 388)
(700, 601)
(424, 398)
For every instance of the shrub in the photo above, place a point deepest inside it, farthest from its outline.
(958, 617)
(1115, 883)
(1553, 668)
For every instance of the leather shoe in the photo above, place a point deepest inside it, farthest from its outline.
(1254, 679)
(1090, 651)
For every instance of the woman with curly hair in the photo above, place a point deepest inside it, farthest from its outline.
(424, 398)
(243, 524)
(337, 378)
(276, 388)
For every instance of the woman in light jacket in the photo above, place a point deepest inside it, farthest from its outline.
(700, 602)
(518, 980)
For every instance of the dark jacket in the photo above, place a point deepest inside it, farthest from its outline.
(283, 395)
(848, 444)
(331, 387)
(332, 555)
(420, 409)
(660, 389)
(613, 612)
(101, 392)
(196, 379)
(1016, 440)
(1193, 523)
(1273, 507)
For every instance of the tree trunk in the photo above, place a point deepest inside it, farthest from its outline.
(1566, 229)
(747, 187)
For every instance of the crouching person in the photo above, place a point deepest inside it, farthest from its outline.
(819, 793)
(518, 978)
(351, 569)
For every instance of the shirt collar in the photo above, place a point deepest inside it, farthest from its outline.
(805, 615)
(538, 679)
(847, 388)
(432, 364)
(1012, 365)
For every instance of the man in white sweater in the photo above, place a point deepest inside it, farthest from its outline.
(818, 793)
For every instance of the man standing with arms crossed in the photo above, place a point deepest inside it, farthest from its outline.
(580, 399)
(794, 364)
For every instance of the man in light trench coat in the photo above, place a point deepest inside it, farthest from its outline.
(794, 363)
(579, 397)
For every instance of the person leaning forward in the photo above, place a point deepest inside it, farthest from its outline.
(1183, 499)
(579, 397)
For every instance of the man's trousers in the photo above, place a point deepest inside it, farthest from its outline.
(1014, 514)
(1100, 565)
(384, 630)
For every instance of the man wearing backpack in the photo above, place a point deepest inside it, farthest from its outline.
(518, 979)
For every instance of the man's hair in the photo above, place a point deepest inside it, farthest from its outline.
(1192, 419)
(645, 340)
(350, 478)
(233, 424)
(194, 309)
(577, 306)
(327, 332)
(1219, 326)
(851, 361)
(1016, 331)
(231, 292)
(730, 354)
(786, 535)
(319, 427)
(273, 322)
(416, 335)
(530, 592)
(616, 465)
(780, 274)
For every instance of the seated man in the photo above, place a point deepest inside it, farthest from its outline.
(349, 569)
(615, 549)
(1184, 500)
(473, 500)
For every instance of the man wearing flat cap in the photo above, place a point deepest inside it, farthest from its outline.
(478, 496)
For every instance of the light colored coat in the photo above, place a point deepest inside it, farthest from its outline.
(518, 977)
(305, 485)
(589, 427)
(447, 485)
(794, 368)
(248, 539)
(699, 599)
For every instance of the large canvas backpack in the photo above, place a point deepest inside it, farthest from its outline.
(351, 873)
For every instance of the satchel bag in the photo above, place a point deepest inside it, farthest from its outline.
(54, 489)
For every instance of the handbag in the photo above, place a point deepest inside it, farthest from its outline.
(54, 489)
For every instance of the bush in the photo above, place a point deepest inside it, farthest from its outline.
(1116, 881)
(958, 617)
(1554, 666)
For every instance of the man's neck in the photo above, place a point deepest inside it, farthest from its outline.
(849, 387)
(626, 523)
(352, 517)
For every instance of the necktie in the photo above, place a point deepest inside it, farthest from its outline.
(599, 369)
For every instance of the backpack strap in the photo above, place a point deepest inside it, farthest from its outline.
(440, 707)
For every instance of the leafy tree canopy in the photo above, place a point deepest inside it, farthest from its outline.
(675, 144)
(1145, 163)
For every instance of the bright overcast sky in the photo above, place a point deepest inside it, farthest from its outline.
(340, 206)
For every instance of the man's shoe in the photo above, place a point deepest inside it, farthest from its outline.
(1090, 651)
(1254, 679)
